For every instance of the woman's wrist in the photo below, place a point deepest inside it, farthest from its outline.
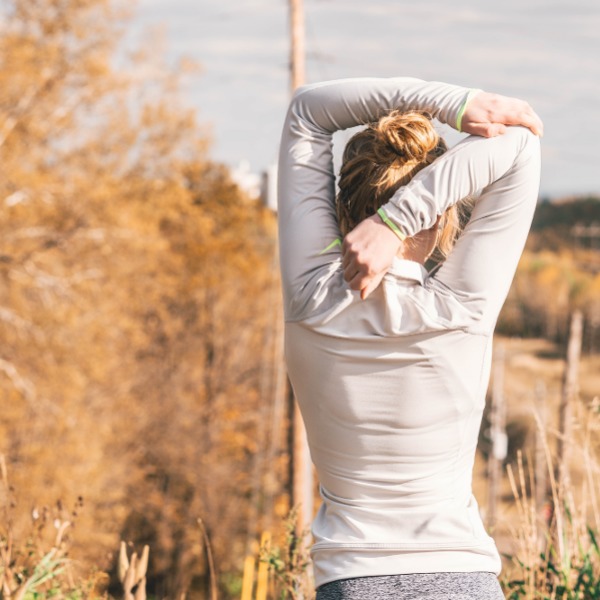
(383, 216)
(459, 117)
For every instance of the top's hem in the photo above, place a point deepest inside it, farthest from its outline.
(344, 565)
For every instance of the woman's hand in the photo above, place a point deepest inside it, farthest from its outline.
(489, 114)
(368, 250)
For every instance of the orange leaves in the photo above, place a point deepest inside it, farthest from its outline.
(136, 283)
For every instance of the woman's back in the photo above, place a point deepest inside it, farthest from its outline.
(392, 388)
(392, 394)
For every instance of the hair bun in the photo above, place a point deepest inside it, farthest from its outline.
(379, 159)
(410, 135)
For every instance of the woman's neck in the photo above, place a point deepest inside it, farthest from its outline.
(419, 247)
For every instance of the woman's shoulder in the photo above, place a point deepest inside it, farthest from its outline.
(409, 301)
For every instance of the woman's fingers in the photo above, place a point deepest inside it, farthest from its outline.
(486, 113)
(371, 285)
(367, 252)
(351, 270)
(357, 275)
(531, 120)
(518, 112)
(486, 129)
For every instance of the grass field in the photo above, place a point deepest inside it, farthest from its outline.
(524, 529)
(547, 549)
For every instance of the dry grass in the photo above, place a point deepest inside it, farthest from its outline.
(549, 547)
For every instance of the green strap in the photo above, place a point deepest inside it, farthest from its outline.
(336, 242)
(463, 108)
(391, 225)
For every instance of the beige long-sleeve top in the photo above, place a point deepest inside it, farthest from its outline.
(392, 389)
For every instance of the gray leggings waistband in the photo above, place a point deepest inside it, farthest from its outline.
(415, 586)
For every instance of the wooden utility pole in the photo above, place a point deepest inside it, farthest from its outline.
(569, 393)
(541, 460)
(301, 467)
(498, 437)
(297, 53)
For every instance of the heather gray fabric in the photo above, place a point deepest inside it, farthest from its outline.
(417, 586)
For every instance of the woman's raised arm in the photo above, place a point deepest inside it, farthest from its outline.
(306, 189)
(369, 249)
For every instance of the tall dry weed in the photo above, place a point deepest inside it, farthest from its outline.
(557, 556)
(35, 563)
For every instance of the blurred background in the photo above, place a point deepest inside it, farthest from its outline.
(141, 377)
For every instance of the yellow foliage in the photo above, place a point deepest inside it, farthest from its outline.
(548, 286)
(136, 286)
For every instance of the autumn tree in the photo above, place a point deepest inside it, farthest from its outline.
(557, 275)
(136, 289)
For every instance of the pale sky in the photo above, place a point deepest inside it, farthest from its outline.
(541, 50)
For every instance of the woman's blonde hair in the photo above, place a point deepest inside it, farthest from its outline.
(383, 157)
